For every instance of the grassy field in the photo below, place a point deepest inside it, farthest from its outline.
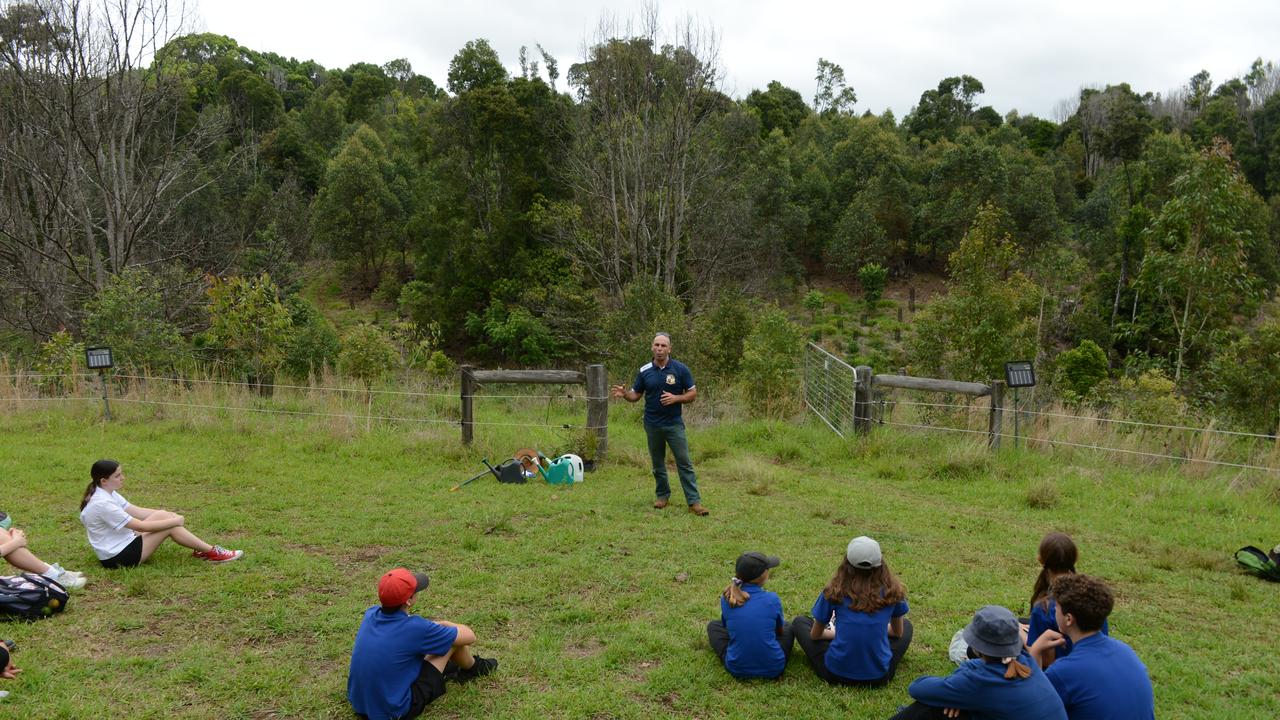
(593, 602)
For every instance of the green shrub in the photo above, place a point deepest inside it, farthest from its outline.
(249, 328)
(128, 315)
(1079, 370)
(59, 359)
(367, 354)
(873, 277)
(313, 343)
(515, 333)
(1150, 397)
(771, 361)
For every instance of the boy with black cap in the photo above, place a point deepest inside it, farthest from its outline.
(752, 639)
(400, 661)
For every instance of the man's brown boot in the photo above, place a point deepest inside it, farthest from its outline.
(660, 503)
(698, 510)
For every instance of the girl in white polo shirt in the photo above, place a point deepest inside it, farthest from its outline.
(125, 535)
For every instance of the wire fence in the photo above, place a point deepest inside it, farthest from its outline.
(436, 404)
(829, 393)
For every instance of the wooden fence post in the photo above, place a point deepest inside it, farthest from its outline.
(468, 384)
(997, 414)
(598, 407)
(863, 396)
(911, 300)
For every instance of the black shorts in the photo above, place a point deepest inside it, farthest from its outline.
(130, 556)
(428, 687)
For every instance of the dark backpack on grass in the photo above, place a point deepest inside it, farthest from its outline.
(1259, 563)
(30, 597)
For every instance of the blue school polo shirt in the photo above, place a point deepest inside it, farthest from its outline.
(1042, 619)
(387, 658)
(860, 649)
(652, 380)
(754, 651)
(980, 688)
(1103, 680)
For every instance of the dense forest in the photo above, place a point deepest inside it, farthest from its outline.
(185, 199)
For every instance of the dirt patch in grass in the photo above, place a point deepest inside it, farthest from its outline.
(590, 647)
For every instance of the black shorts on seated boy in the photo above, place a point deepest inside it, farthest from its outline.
(392, 674)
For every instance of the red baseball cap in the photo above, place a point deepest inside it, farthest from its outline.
(397, 586)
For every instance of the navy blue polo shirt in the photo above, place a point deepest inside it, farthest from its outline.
(1042, 618)
(753, 627)
(387, 658)
(1103, 679)
(860, 649)
(652, 380)
(980, 688)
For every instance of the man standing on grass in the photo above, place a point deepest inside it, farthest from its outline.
(666, 384)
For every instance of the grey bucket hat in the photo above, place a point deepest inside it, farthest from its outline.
(994, 632)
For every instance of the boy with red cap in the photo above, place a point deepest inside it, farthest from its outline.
(400, 661)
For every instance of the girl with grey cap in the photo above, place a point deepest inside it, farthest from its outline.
(751, 637)
(1002, 684)
(862, 635)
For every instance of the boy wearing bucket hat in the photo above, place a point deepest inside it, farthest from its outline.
(1102, 678)
(1002, 684)
(400, 661)
(751, 638)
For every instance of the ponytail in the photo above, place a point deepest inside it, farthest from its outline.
(1057, 556)
(100, 471)
(735, 595)
(1016, 670)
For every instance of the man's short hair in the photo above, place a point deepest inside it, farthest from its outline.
(663, 333)
(1086, 598)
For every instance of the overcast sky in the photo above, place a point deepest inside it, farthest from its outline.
(1029, 54)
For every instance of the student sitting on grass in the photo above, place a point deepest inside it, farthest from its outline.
(1057, 557)
(400, 661)
(1002, 684)
(13, 547)
(1102, 678)
(860, 634)
(124, 535)
(751, 637)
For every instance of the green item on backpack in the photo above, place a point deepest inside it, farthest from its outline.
(1258, 563)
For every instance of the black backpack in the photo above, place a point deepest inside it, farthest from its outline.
(1259, 563)
(30, 596)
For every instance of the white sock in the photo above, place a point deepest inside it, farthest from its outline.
(54, 572)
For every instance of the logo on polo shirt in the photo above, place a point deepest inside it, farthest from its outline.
(671, 379)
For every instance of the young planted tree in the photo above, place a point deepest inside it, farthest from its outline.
(249, 328)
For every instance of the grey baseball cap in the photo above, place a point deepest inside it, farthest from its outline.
(864, 553)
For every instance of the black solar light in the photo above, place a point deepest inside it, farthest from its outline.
(99, 358)
(1018, 374)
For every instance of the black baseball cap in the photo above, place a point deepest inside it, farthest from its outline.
(752, 565)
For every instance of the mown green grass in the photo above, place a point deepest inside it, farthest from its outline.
(593, 602)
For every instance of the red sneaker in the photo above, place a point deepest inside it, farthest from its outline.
(218, 554)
